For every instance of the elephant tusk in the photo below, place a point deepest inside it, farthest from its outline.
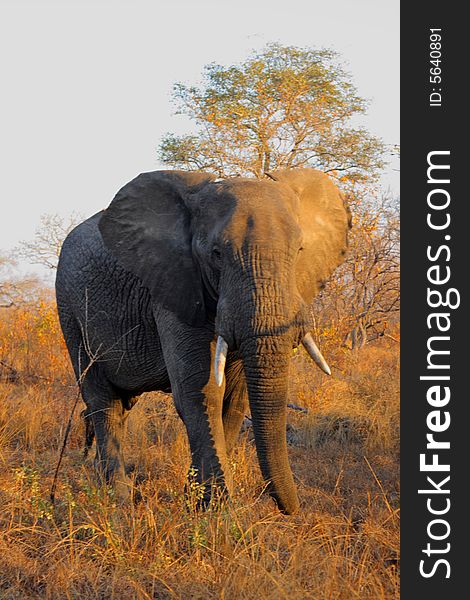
(220, 358)
(315, 353)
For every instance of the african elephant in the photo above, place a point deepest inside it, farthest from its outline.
(200, 286)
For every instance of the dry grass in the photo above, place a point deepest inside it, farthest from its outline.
(343, 544)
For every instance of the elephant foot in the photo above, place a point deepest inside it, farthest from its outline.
(117, 480)
(123, 489)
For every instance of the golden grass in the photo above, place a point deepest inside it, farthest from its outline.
(343, 544)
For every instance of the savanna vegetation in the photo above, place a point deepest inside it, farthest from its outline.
(344, 454)
(343, 431)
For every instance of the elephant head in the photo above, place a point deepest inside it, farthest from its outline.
(245, 257)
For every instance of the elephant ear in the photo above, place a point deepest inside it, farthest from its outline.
(325, 220)
(147, 228)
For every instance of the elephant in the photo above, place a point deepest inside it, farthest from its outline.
(200, 286)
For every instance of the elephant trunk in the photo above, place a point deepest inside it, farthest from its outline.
(261, 321)
(266, 363)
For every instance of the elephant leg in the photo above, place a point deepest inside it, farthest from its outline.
(189, 358)
(89, 431)
(107, 412)
(235, 404)
(80, 362)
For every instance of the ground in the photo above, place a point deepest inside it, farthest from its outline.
(343, 543)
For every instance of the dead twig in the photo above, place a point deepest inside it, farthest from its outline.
(67, 432)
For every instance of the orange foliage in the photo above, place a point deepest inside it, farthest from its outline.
(343, 544)
(31, 342)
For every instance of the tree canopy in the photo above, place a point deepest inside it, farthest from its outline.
(283, 107)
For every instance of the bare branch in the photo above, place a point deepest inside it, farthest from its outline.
(44, 248)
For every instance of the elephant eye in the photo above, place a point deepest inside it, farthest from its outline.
(216, 253)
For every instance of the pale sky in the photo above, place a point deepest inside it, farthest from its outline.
(85, 85)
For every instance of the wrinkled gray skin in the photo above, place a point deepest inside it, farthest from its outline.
(146, 286)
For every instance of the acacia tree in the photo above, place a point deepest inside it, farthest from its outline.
(283, 107)
(287, 107)
(44, 248)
